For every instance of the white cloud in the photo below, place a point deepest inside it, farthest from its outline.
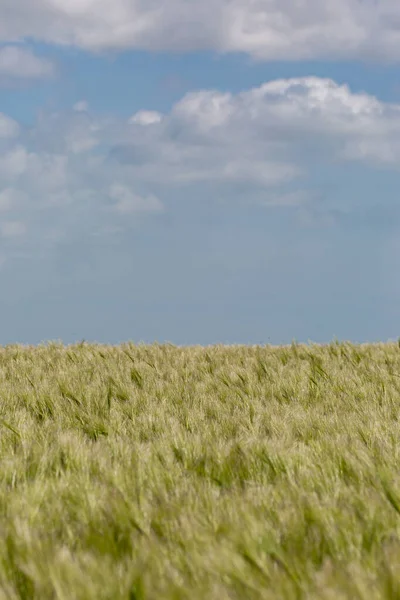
(11, 198)
(49, 172)
(11, 229)
(94, 170)
(40, 172)
(305, 104)
(8, 127)
(81, 106)
(264, 173)
(21, 63)
(261, 136)
(208, 107)
(146, 117)
(128, 202)
(13, 163)
(265, 29)
(78, 142)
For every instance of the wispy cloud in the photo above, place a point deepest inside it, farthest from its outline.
(266, 141)
(10, 229)
(81, 106)
(127, 202)
(8, 127)
(20, 63)
(146, 117)
(273, 30)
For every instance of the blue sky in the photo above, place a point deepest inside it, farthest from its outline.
(175, 173)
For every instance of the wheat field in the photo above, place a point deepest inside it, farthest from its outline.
(139, 472)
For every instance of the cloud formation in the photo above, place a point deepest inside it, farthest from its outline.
(100, 173)
(20, 63)
(8, 127)
(265, 29)
(81, 106)
(127, 202)
(12, 229)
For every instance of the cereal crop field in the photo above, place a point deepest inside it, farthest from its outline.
(158, 472)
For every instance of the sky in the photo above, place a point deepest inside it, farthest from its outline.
(199, 171)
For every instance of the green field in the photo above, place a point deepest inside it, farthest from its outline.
(227, 472)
